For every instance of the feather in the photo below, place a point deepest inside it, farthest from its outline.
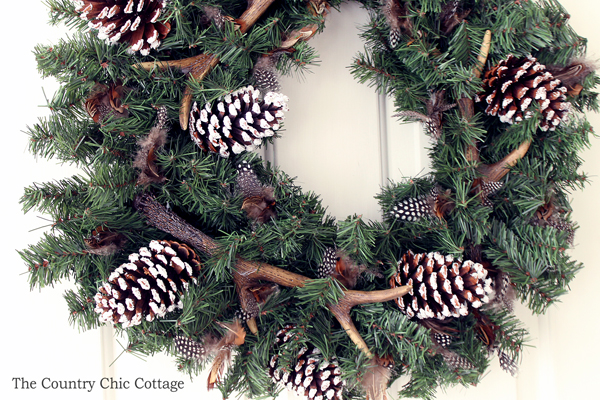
(261, 208)
(105, 101)
(215, 15)
(220, 364)
(145, 159)
(263, 291)
(376, 378)
(235, 336)
(452, 14)
(346, 270)
(436, 106)
(573, 75)
(396, 15)
(259, 200)
(104, 242)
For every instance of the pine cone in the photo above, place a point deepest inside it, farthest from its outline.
(104, 101)
(515, 83)
(442, 287)
(238, 122)
(312, 376)
(127, 22)
(150, 284)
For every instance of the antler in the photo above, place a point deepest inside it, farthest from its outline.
(247, 273)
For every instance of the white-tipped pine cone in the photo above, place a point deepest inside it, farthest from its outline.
(512, 86)
(312, 376)
(442, 287)
(149, 285)
(238, 122)
(127, 21)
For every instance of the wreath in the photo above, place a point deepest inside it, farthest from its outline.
(202, 249)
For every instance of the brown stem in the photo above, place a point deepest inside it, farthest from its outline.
(465, 104)
(248, 273)
(351, 298)
(466, 107)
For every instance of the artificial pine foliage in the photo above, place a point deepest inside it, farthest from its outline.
(497, 194)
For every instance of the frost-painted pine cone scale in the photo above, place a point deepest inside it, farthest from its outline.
(135, 22)
(149, 285)
(311, 376)
(237, 123)
(442, 287)
(511, 87)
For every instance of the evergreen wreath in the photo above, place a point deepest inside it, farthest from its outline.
(189, 243)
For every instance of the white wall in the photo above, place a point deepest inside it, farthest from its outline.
(331, 120)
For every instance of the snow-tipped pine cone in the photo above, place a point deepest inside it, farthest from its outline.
(238, 122)
(442, 287)
(511, 87)
(135, 22)
(149, 285)
(311, 376)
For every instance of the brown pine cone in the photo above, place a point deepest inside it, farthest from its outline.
(237, 123)
(510, 88)
(442, 287)
(149, 285)
(311, 376)
(127, 21)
